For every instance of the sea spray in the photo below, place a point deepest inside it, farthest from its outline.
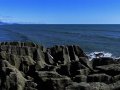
(99, 54)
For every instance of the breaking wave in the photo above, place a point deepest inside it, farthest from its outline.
(99, 54)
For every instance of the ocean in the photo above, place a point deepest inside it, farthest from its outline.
(90, 37)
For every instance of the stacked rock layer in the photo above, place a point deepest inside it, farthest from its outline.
(29, 66)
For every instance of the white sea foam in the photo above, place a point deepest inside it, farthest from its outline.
(99, 54)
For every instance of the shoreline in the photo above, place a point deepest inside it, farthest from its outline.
(29, 66)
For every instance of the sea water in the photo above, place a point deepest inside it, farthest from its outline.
(90, 37)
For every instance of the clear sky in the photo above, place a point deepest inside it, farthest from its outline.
(61, 11)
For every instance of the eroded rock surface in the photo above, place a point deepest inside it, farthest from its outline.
(29, 66)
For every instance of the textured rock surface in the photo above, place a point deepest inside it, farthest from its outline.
(29, 66)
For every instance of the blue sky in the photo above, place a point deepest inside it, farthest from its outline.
(61, 11)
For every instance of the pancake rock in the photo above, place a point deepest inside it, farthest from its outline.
(30, 66)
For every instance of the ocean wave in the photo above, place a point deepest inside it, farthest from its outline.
(99, 54)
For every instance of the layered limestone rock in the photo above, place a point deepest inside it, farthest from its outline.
(29, 66)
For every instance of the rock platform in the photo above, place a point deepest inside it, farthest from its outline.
(29, 66)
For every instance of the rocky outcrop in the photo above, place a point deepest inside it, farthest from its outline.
(12, 79)
(102, 61)
(112, 69)
(29, 66)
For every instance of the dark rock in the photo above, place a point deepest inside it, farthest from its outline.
(11, 78)
(60, 54)
(116, 78)
(25, 64)
(64, 70)
(115, 86)
(65, 54)
(99, 78)
(49, 59)
(117, 60)
(30, 85)
(19, 44)
(29, 66)
(80, 78)
(40, 59)
(99, 86)
(20, 62)
(112, 69)
(86, 62)
(75, 67)
(86, 71)
(102, 61)
(72, 54)
(79, 86)
(78, 51)
(51, 80)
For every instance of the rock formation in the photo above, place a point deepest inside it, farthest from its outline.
(29, 66)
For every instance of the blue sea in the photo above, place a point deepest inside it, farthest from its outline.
(91, 38)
